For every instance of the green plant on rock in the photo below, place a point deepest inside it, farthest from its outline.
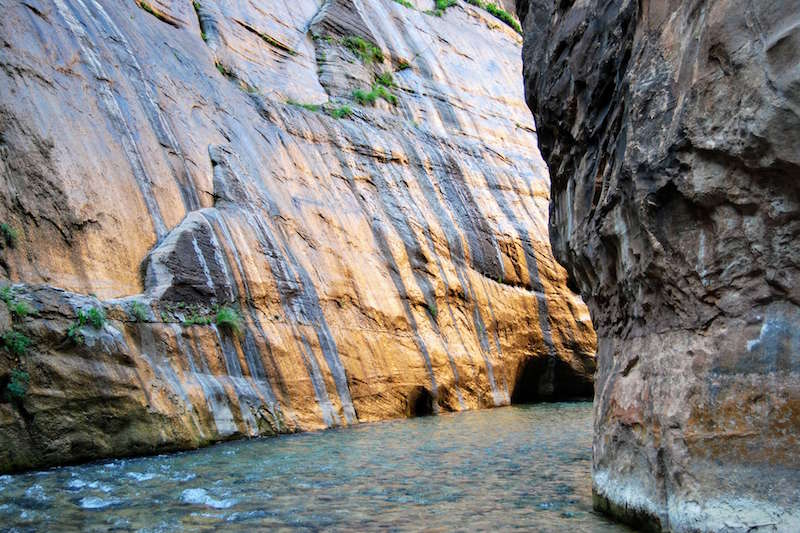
(15, 342)
(441, 6)
(20, 309)
(139, 311)
(504, 16)
(228, 318)
(386, 79)
(74, 331)
(432, 309)
(309, 107)
(369, 98)
(17, 384)
(343, 111)
(405, 3)
(96, 317)
(17, 308)
(366, 51)
(10, 235)
(499, 13)
(224, 70)
(157, 14)
(196, 319)
(7, 294)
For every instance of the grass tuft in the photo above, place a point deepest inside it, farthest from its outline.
(225, 71)
(139, 311)
(96, 317)
(309, 107)
(228, 318)
(366, 51)
(195, 319)
(343, 111)
(20, 309)
(369, 98)
(498, 13)
(157, 14)
(441, 6)
(386, 79)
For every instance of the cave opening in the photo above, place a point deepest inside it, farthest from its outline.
(549, 379)
(419, 402)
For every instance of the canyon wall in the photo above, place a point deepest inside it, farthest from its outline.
(211, 235)
(672, 133)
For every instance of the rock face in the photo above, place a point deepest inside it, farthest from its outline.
(170, 162)
(672, 132)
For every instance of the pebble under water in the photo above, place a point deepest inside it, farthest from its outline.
(520, 467)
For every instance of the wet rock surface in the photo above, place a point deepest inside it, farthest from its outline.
(386, 252)
(671, 132)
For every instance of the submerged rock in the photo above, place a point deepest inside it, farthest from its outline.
(272, 250)
(672, 132)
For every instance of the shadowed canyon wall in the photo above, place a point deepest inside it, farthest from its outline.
(672, 133)
(387, 251)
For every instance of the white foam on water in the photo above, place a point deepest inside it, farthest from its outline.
(36, 492)
(141, 476)
(92, 502)
(201, 497)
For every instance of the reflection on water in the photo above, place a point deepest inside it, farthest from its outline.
(521, 467)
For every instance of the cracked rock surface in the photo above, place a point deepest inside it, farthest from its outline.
(173, 160)
(672, 132)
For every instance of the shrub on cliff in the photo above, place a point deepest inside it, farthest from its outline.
(440, 6)
(96, 317)
(20, 309)
(228, 318)
(15, 342)
(499, 13)
(340, 112)
(386, 79)
(16, 307)
(378, 91)
(139, 311)
(365, 50)
(10, 235)
(17, 384)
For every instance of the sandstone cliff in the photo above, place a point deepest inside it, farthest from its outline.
(672, 132)
(211, 234)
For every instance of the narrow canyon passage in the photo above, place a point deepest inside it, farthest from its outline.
(390, 220)
(228, 220)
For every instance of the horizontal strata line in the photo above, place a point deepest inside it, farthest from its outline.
(267, 38)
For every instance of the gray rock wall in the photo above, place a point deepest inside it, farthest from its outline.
(672, 132)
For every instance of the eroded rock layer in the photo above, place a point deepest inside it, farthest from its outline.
(172, 161)
(672, 132)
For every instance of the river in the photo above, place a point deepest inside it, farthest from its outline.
(520, 467)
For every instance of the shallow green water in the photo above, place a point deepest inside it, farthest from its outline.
(521, 468)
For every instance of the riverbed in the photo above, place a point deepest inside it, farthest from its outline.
(520, 467)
